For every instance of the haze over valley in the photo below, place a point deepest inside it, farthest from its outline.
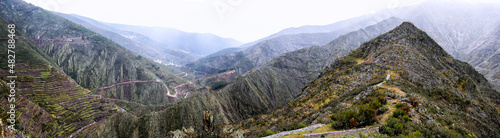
(312, 69)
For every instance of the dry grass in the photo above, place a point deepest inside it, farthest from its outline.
(326, 128)
(395, 89)
(360, 60)
(390, 108)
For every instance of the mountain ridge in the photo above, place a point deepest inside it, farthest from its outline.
(200, 44)
(352, 82)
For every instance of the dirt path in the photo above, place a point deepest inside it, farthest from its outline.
(281, 134)
(351, 132)
(390, 108)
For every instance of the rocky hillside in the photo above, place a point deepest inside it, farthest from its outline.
(487, 58)
(48, 102)
(136, 42)
(401, 82)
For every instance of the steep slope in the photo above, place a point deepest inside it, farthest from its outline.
(48, 102)
(92, 60)
(454, 25)
(255, 53)
(486, 58)
(133, 41)
(262, 90)
(440, 95)
(197, 43)
(462, 29)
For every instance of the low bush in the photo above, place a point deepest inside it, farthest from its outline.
(398, 113)
(268, 133)
(301, 126)
(414, 101)
(399, 105)
(218, 85)
(363, 116)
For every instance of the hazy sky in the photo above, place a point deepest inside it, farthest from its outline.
(243, 20)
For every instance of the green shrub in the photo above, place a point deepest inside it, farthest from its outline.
(381, 110)
(398, 127)
(341, 119)
(386, 130)
(415, 134)
(393, 127)
(375, 104)
(268, 133)
(367, 114)
(406, 118)
(350, 114)
(399, 105)
(382, 100)
(301, 126)
(398, 113)
(363, 116)
(337, 124)
(218, 85)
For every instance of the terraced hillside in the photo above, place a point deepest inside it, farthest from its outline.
(402, 82)
(48, 102)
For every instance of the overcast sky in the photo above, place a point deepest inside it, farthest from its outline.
(243, 20)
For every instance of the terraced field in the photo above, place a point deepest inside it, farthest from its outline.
(51, 105)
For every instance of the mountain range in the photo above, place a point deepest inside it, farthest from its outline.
(377, 74)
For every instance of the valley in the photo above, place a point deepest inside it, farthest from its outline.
(424, 70)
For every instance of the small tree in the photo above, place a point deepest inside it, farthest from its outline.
(208, 124)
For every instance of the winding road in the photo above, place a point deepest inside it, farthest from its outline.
(138, 81)
(127, 82)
